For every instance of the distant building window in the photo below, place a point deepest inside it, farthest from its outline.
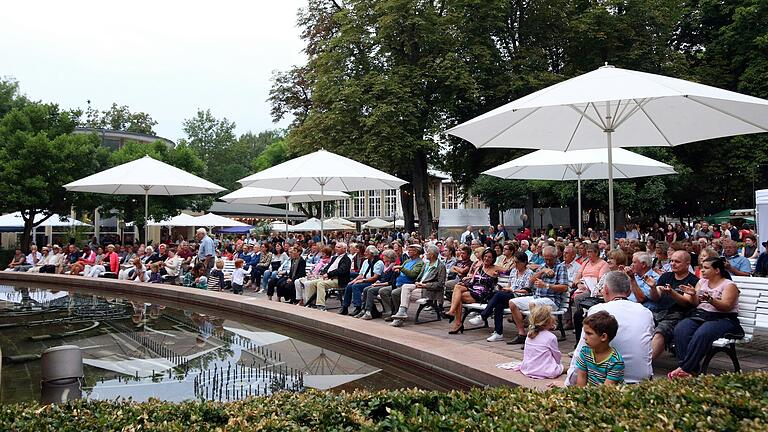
(450, 196)
(358, 204)
(111, 143)
(374, 203)
(344, 208)
(390, 203)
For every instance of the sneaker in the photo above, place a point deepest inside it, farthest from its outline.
(321, 308)
(401, 314)
(495, 337)
(366, 316)
(388, 318)
(518, 340)
(344, 311)
(360, 314)
(477, 320)
(396, 323)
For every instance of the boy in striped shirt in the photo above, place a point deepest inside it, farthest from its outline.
(598, 362)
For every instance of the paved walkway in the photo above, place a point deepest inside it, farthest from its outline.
(753, 356)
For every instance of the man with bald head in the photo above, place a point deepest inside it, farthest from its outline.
(671, 305)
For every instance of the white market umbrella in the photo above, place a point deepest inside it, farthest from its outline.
(181, 220)
(14, 220)
(340, 221)
(315, 224)
(590, 164)
(214, 220)
(612, 107)
(325, 169)
(253, 195)
(377, 223)
(400, 223)
(145, 176)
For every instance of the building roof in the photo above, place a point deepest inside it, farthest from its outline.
(253, 210)
(111, 133)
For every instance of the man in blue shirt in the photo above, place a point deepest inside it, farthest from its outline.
(640, 274)
(736, 264)
(206, 252)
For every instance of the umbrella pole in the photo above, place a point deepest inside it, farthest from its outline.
(322, 212)
(286, 218)
(611, 222)
(146, 215)
(579, 209)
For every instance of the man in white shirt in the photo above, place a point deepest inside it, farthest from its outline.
(636, 328)
(467, 236)
(33, 259)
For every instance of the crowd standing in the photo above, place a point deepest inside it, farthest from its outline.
(660, 287)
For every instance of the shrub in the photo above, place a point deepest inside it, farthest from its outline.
(727, 402)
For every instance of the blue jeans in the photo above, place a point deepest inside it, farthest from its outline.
(268, 274)
(693, 339)
(496, 305)
(353, 294)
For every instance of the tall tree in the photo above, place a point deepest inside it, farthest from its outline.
(38, 155)
(119, 117)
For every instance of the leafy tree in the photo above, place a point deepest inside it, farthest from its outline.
(38, 155)
(119, 118)
(274, 154)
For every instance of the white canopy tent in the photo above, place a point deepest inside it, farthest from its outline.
(327, 170)
(253, 195)
(14, 220)
(612, 107)
(590, 164)
(181, 220)
(213, 220)
(340, 221)
(314, 224)
(145, 176)
(378, 223)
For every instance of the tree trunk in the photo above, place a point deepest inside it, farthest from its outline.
(406, 201)
(420, 182)
(494, 214)
(26, 236)
(529, 212)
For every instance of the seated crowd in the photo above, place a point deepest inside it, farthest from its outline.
(626, 305)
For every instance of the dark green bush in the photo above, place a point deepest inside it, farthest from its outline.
(724, 403)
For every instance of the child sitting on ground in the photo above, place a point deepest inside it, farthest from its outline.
(196, 278)
(238, 277)
(541, 358)
(154, 273)
(216, 278)
(138, 274)
(598, 362)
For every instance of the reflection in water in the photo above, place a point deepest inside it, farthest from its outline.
(141, 350)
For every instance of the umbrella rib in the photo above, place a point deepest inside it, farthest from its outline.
(508, 128)
(594, 107)
(616, 167)
(727, 113)
(587, 116)
(656, 126)
(573, 135)
(638, 106)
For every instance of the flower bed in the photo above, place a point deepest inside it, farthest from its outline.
(727, 402)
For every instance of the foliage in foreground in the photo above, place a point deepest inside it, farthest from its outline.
(727, 402)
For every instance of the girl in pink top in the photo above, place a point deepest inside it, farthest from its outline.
(541, 358)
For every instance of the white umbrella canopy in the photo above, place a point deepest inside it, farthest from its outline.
(181, 220)
(314, 224)
(214, 220)
(14, 220)
(589, 164)
(378, 223)
(327, 170)
(613, 107)
(340, 221)
(145, 176)
(253, 195)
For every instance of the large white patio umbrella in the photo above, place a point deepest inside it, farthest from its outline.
(591, 164)
(145, 176)
(612, 107)
(378, 223)
(180, 220)
(315, 224)
(253, 195)
(327, 170)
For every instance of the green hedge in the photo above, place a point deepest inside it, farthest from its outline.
(727, 402)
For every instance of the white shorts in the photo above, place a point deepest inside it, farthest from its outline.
(523, 303)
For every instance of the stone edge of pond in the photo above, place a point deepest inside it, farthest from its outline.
(452, 362)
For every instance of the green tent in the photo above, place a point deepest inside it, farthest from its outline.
(725, 216)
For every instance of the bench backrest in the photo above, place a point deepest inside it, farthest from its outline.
(753, 303)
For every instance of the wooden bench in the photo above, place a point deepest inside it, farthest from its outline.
(753, 314)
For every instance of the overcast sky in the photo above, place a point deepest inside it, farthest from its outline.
(166, 58)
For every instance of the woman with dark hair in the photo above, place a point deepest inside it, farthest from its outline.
(476, 288)
(519, 285)
(716, 298)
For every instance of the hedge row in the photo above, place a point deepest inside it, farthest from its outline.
(727, 402)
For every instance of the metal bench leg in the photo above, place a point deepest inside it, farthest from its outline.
(438, 309)
(730, 351)
(560, 327)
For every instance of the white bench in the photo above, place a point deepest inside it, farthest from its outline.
(753, 313)
(437, 307)
(559, 313)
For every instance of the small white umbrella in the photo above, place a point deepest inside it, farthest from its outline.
(253, 195)
(340, 221)
(612, 107)
(14, 220)
(145, 176)
(325, 169)
(214, 220)
(377, 223)
(181, 220)
(590, 164)
(315, 224)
